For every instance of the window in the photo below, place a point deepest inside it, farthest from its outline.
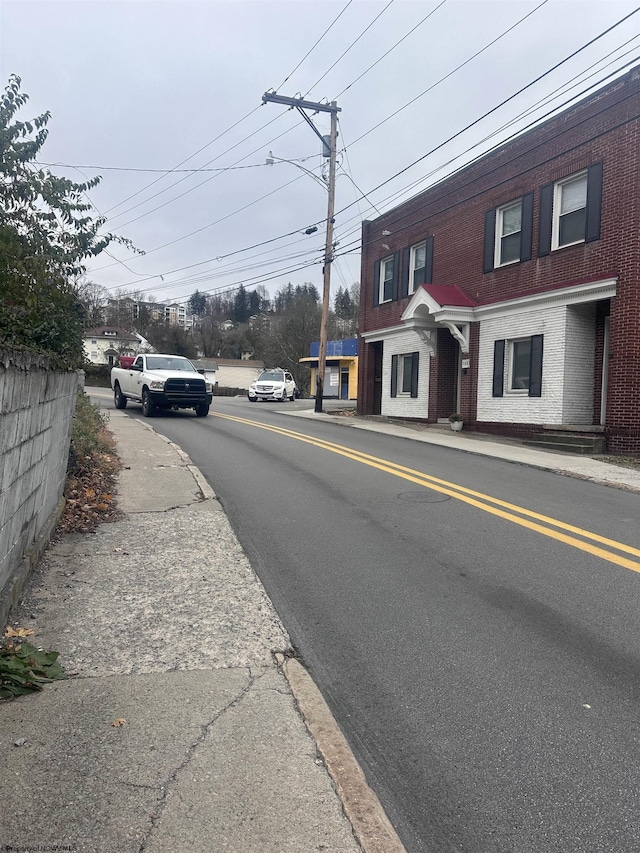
(386, 279)
(524, 365)
(519, 357)
(508, 233)
(569, 211)
(94, 342)
(417, 266)
(404, 374)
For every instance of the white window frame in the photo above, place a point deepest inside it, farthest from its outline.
(511, 360)
(500, 211)
(557, 203)
(412, 263)
(384, 263)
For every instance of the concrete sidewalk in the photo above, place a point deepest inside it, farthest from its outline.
(185, 727)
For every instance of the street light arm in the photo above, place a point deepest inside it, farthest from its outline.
(316, 178)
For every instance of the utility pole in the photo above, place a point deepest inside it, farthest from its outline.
(300, 104)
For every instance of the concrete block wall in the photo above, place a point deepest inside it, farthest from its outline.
(37, 405)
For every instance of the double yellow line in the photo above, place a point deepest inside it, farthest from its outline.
(592, 543)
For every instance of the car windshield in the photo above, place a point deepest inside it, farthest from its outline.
(271, 376)
(163, 363)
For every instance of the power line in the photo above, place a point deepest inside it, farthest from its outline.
(359, 138)
(451, 73)
(353, 82)
(166, 171)
(547, 98)
(501, 104)
(191, 156)
(175, 183)
(353, 43)
(309, 52)
(473, 123)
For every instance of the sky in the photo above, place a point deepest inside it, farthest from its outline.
(163, 100)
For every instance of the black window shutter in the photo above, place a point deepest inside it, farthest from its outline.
(594, 202)
(546, 220)
(498, 368)
(535, 366)
(376, 283)
(394, 375)
(489, 240)
(428, 262)
(396, 275)
(526, 232)
(415, 358)
(404, 276)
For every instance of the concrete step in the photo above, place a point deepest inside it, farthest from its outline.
(568, 442)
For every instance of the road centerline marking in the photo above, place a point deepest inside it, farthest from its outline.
(495, 506)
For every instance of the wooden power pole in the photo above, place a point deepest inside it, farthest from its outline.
(300, 104)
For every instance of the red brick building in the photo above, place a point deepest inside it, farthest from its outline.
(510, 291)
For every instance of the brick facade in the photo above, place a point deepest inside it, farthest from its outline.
(601, 132)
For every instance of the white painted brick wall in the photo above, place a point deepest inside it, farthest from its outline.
(579, 364)
(404, 406)
(518, 407)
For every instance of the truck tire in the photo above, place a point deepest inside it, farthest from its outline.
(202, 410)
(148, 406)
(119, 399)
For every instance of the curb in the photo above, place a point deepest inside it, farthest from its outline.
(369, 821)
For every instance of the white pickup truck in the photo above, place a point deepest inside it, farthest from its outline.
(161, 382)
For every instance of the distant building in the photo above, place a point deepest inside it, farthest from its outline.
(341, 369)
(104, 344)
(210, 367)
(237, 372)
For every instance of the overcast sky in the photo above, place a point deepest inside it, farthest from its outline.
(137, 89)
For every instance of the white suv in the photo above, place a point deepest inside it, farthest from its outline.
(275, 384)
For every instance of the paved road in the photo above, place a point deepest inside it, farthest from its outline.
(471, 623)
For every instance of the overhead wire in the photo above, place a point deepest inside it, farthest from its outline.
(495, 108)
(498, 106)
(452, 72)
(122, 225)
(310, 51)
(353, 43)
(191, 189)
(186, 160)
(384, 55)
(217, 221)
(551, 96)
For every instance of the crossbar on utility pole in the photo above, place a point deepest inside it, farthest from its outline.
(334, 109)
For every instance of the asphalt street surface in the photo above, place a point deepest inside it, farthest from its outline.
(471, 623)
